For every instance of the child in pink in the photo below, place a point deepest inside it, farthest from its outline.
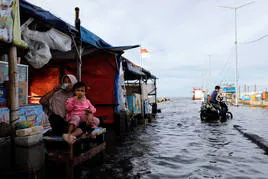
(79, 109)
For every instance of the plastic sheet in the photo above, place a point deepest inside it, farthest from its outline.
(40, 44)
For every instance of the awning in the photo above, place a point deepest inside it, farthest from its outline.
(148, 74)
(132, 71)
(122, 48)
(46, 16)
(55, 22)
(92, 39)
(135, 72)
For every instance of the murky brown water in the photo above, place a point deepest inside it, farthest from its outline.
(177, 145)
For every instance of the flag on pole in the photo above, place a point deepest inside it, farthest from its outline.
(144, 52)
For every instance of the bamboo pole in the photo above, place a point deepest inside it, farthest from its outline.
(142, 99)
(155, 97)
(13, 85)
(79, 44)
(154, 107)
(13, 98)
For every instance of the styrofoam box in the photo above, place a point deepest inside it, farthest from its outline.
(29, 140)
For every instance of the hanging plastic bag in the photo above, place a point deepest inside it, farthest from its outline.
(40, 43)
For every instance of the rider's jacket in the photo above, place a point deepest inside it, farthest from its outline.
(213, 98)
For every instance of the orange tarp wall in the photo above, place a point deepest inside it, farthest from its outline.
(98, 72)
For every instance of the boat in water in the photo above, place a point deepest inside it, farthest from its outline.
(198, 94)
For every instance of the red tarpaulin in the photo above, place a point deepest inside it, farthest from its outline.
(98, 72)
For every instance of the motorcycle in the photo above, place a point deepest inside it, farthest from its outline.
(215, 112)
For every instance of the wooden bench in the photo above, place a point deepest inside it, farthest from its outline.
(60, 152)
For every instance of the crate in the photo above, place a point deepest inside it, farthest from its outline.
(134, 103)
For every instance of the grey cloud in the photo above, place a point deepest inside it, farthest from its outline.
(179, 35)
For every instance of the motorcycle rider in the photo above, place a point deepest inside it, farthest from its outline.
(214, 95)
(215, 100)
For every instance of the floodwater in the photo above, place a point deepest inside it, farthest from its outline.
(178, 145)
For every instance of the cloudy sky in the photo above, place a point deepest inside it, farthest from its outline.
(182, 36)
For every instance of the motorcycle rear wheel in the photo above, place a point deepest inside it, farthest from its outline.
(229, 115)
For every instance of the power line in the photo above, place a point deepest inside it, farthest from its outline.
(221, 73)
(253, 41)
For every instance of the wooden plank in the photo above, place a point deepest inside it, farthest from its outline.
(67, 156)
(53, 138)
(89, 154)
(97, 131)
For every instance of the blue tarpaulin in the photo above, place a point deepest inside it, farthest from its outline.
(57, 23)
(45, 16)
(132, 71)
(148, 74)
(135, 72)
(245, 98)
(228, 89)
(92, 39)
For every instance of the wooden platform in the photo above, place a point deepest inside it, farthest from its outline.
(59, 152)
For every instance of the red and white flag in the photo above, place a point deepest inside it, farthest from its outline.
(144, 52)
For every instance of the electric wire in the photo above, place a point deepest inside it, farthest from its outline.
(256, 40)
(223, 72)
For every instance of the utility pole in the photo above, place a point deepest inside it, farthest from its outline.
(236, 52)
(209, 67)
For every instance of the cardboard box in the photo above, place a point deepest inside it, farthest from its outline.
(22, 93)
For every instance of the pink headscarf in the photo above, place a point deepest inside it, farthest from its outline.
(71, 77)
(57, 101)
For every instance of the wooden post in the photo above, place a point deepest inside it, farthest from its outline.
(154, 106)
(155, 97)
(238, 97)
(142, 101)
(13, 85)
(79, 44)
(70, 166)
(13, 97)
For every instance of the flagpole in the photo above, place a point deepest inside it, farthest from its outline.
(140, 54)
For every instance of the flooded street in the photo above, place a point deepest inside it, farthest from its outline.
(86, 86)
(178, 145)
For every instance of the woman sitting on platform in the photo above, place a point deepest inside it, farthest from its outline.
(54, 105)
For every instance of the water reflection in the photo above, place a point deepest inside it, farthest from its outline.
(214, 135)
(178, 145)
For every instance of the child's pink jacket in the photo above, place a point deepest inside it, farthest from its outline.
(77, 107)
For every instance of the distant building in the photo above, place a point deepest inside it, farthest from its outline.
(198, 94)
(228, 91)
